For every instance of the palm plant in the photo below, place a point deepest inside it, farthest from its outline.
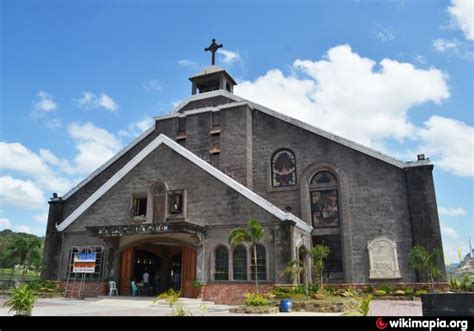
(253, 234)
(21, 301)
(319, 254)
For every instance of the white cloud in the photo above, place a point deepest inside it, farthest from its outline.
(91, 101)
(17, 158)
(187, 63)
(450, 143)
(449, 232)
(462, 12)
(385, 35)
(454, 47)
(136, 128)
(152, 85)
(5, 224)
(41, 218)
(349, 95)
(28, 229)
(44, 102)
(20, 193)
(443, 45)
(95, 146)
(459, 211)
(229, 57)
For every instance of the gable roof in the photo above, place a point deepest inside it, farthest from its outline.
(240, 101)
(162, 139)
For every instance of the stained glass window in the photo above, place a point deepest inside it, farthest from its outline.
(283, 168)
(324, 200)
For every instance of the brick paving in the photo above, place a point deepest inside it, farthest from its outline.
(395, 308)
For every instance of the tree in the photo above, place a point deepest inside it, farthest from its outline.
(253, 234)
(426, 263)
(24, 249)
(319, 254)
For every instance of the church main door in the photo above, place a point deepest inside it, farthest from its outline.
(168, 266)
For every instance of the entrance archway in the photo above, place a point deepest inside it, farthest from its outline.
(168, 265)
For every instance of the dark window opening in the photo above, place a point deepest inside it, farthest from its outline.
(139, 206)
(239, 261)
(261, 264)
(334, 263)
(222, 264)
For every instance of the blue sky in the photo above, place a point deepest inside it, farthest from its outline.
(81, 79)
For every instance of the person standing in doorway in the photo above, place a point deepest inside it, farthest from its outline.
(146, 281)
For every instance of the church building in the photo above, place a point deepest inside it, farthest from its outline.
(166, 204)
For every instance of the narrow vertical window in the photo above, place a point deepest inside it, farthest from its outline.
(261, 267)
(222, 264)
(239, 263)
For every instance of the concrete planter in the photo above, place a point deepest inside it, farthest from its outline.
(448, 304)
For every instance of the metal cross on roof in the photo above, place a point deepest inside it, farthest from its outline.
(213, 48)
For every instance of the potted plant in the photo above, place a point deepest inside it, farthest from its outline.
(22, 300)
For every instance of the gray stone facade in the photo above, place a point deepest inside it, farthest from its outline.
(376, 197)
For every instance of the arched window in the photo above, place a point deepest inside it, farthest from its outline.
(222, 264)
(239, 263)
(261, 264)
(283, 168)
(325, 214)
(324, 200)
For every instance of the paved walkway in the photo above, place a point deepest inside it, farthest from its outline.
(395, 308)
(132, 306)
(144, 306)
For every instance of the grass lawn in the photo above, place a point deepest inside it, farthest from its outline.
(6, 273)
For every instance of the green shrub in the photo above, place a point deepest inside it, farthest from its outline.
(254, 299)
(454, 284)
(295, 292)
(399, 293)
(409, 291)
(22, 300)
(420, 292)
(330, 289)
(365, 305)
(358, 305)
(180, 312)
(369, 289)
(380, 293)
(387, 288)
(170, 296)
(43, 286)
(466, 283)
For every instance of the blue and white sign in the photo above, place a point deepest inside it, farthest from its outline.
(85, 257)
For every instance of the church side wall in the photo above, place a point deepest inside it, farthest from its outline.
(377, 199)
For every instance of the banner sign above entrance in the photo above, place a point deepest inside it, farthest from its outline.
(121, 230)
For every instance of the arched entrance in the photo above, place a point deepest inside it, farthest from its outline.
(169, 265)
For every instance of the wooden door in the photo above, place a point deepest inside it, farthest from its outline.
(126, 271)
(188, 273)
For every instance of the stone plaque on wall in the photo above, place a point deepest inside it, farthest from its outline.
(383, 259)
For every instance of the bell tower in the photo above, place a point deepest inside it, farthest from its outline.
(213, 77)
